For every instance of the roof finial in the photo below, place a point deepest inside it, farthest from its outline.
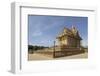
(74, 30)
(73, 27)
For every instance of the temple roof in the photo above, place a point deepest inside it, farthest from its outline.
(73, 32)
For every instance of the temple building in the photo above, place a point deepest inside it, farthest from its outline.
(69, 38)
(69, 43)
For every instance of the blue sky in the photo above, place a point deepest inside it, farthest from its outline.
(43, 30)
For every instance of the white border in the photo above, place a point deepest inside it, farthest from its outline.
(19, 39)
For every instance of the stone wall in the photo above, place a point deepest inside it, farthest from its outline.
(59, 51)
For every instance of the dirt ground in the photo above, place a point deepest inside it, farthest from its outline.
(42, 57)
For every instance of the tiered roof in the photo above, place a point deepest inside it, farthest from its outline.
(73, 32)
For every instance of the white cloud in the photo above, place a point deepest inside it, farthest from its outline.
(36, 33)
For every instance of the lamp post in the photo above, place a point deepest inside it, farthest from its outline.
(54, 49)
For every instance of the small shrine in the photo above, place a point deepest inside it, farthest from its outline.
(69, 43)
